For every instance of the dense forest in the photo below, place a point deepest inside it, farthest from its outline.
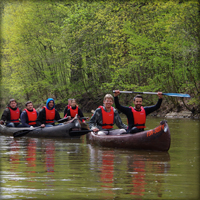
(85, 49)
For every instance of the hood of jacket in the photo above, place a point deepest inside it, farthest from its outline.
(48, 100)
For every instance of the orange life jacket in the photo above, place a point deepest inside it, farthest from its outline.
(73, 112)
(50, 115)
(32, 116)
(107, 118)
(139, 117)
(14, 115)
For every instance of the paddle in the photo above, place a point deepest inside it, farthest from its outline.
(63, 119)
(83, 132)
(167, 94)
(24, 132)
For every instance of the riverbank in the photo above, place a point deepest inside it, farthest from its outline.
(179, 115)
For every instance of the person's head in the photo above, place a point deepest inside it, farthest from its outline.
(69, 102)
(137, 100)
(29, 105)
(73, 102)
(108, 101)
(13, 103)
(50, 104)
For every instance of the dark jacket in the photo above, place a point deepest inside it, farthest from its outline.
(96, 119)
(128, 112)
(80, 114)
(24, 119)
(41, 119)
(6, 114)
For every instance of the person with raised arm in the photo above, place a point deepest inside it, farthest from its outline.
(136, 115)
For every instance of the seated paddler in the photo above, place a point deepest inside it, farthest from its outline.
(75, 110)
(11, 115)
(105, 117)
(29, 115)
(48, 115)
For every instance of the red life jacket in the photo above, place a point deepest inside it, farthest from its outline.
(14, 115)
(107, 118)
(73, 112)
(32, 116)
(50, 115)
(139, 117)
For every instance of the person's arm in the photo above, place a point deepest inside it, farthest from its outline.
(6, 115)
(65, 111)
(123, 109)
(80, 113)
(118, 121)
(24, 119)
(94, 119)
(57, 115)
(68, 112)
(41, 117)
(150, 109)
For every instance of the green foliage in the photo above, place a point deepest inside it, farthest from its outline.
(88, 48)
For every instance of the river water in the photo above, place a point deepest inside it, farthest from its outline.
(33, 168)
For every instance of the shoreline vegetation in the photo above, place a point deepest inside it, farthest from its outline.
(86, 49)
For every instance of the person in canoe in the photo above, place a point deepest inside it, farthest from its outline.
(73, 110)
(105, 117)
(48, 115)
(11, 115)
(67, 107)
(29, 115)
(136, 115)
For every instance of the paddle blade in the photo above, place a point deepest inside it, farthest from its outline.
(177, 95)
(21, 133)
(63, 119)
(78, 133)
(24, 132)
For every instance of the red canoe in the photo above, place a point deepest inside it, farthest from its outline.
(157, 139)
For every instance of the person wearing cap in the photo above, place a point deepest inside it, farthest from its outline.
(11, 115)
(48, 115)
(29, 115)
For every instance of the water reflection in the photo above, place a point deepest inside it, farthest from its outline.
(49, 155)
(54, 169)
(31, 155)
(137, 166)
(14, 154)
(142, 169)
(107, 171)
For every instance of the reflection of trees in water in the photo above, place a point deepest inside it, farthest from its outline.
(141, 169)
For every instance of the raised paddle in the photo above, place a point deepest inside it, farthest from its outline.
(167, 94)
(26, 131)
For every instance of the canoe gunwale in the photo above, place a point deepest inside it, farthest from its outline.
(62, 131)
(157, 139)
